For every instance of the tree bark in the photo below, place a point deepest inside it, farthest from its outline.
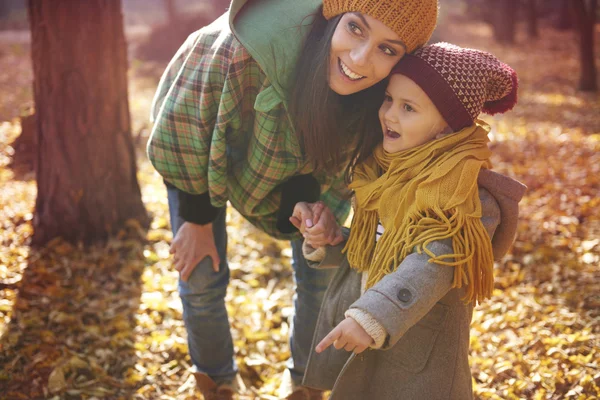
(532, 24)
(585, 12)
(86, 168)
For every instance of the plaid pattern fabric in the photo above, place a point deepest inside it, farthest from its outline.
(220, 127)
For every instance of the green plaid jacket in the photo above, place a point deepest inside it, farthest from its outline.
(219, 127)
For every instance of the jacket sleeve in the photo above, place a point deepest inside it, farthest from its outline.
(198, 96)
(507, 192)
(402, 298)
(170, 74)
(196, 208)
(327, 256)
(176, 115)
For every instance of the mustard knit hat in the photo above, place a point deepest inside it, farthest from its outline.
(413, 20)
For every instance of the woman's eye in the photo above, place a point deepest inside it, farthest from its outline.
(388, 51)
(408, 108)
(354, 28)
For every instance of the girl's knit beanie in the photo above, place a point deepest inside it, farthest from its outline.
(413, 20)
(461, 82)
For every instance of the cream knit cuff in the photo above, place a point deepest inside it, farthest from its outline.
(370, 325)
(312, 254)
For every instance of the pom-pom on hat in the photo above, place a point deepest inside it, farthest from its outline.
(413, 20)
(461, 82)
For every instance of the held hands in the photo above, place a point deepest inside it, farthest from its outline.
(192, 244)
(348, 335)
(317, 224)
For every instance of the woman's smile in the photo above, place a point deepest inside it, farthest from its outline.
(347, 72)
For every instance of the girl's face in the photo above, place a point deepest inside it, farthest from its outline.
(408, 116)
(363, 52)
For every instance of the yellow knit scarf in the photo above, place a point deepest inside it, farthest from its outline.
(420, 195)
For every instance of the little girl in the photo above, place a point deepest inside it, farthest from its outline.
(430, 217)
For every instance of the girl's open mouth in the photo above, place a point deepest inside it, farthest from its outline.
(391, 134)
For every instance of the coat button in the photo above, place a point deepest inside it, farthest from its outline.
(404, 295)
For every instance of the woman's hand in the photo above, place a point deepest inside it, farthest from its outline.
(317, 224)
(348, 335)
(192, 244)
(303, 215)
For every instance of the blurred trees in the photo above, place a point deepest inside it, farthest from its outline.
(585, 15)
(564, 20)
(500, 15)
(85, 167)
(217, 7)
(579, 15)
(503, 17)
(532, 19)
(13, 14)
(181, 20)
(12, 6)
(171, 9)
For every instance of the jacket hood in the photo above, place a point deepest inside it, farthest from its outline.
(507, 192)
(273, 31)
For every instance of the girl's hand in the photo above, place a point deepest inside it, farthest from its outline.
(348, 335)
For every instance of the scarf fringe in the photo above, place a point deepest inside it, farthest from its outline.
(363, 221)
(472, 256)
(424, 195)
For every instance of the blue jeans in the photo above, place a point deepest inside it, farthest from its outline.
(205, 316)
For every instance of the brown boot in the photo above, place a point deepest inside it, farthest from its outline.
(225, 390)
(305, 393)
(206, 385)
(290, 391)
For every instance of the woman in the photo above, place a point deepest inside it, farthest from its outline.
(263, 109)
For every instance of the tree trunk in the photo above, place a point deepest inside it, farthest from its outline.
(86, 169)
(532, 25)
(504, 22)
(585, 12)
(564, 21)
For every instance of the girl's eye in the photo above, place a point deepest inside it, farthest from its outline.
(408, 108)
(387, 98)
(354, 28)
(388, 51)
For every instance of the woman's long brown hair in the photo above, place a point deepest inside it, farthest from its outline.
(335, 131)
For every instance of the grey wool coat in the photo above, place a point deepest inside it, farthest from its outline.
(425, 355)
